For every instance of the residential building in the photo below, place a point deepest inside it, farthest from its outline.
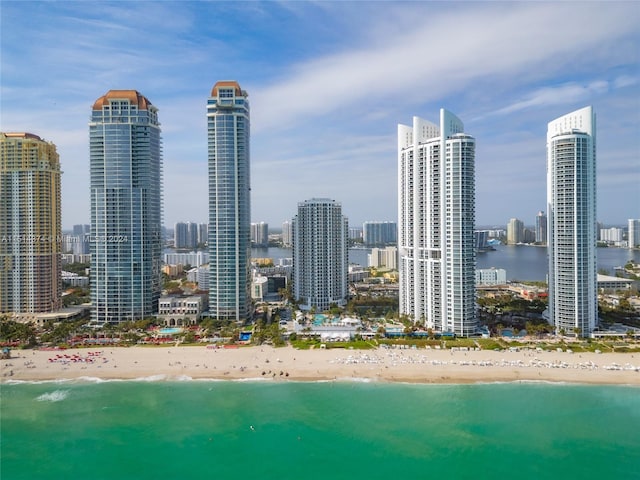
(541, 228)
(481, 241)
(571, 214)
(528, 235)
(633, 233)
(185, 235)
(436, 219)
(260, 234)
(383, 258)
(379, 234)
(194, 259)
(178, 311)
(228, 130)
(30, 229)
(355, 234)
(287, 234)
(320, 254)
(491, 276)
(81, 243)
(515, 231)
(612, 236)
(125, 152)
(203, 233)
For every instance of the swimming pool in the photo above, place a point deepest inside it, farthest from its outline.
(169, 331)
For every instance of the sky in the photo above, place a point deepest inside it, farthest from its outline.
(328, 84)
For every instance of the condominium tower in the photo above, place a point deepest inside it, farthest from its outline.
(571, 214)
(515, 231)
(436, 216)
(260, 234)
(379, 233)
(30, 235)
(320, 254)
(633, 233)
(126, 207)
(541, 227)
(229, 202)
(185, 235)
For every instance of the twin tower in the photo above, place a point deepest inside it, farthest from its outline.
(126, 205)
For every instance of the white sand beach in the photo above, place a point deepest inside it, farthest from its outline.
(287, 363)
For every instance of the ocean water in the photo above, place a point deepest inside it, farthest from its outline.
(330, 430)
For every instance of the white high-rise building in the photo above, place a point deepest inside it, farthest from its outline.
(320, 254)
(571, 214)
(633, 234)
(436, 216)
(228, 133)
(541, 227)
(287, 234)
(611, 235)
(260, 234)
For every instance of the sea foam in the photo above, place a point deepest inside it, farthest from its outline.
(55, 396)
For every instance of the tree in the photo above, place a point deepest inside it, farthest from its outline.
(12, 331)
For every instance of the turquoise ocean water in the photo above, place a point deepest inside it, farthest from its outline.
(228, 430)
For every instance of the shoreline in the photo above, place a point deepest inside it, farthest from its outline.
(262, 363)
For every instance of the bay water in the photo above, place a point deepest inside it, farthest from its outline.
(522, 262)
(338, 430)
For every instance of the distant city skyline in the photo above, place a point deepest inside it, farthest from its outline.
(326, 93)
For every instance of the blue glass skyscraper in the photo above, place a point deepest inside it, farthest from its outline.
(229, 202)
(126, 207)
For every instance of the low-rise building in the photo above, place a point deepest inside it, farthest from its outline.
(491, 276)
(608, 283)
(181, 311)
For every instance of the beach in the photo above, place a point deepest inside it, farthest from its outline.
(289, 364)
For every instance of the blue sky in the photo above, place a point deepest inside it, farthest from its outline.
(328, 83)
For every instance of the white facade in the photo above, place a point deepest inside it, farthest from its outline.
(491, 276)
(203, 277)
(320, 254)
(633, 237)
(571, 215)
(611, 235)
(436, 216)
(195, 259)
(287, 234)
(260, 234)
(383, 257)
(179, 311)
(259, 288)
